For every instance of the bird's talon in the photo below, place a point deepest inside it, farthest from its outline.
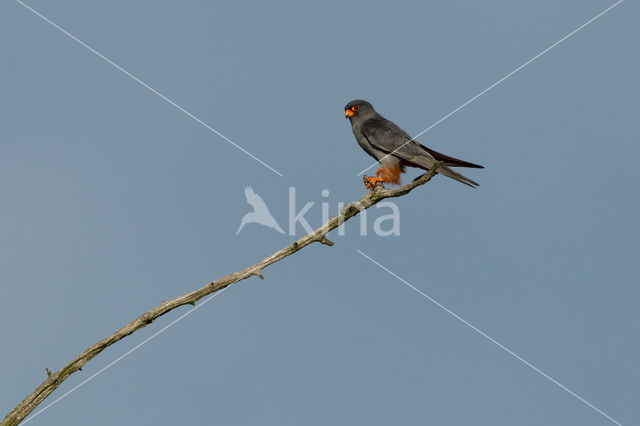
(370, 182)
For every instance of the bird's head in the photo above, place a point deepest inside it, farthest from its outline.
(358, 109)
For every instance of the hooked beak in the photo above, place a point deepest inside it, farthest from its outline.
(348, 113)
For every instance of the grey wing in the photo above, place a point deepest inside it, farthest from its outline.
(388, 137)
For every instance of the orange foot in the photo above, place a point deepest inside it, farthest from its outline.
(371, 182)
(378, 172)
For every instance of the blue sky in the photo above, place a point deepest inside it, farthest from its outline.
(114, 200)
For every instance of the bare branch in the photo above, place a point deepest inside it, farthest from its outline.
(22, 410)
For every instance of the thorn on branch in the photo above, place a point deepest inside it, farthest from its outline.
(259, 274)
(326, 241)
(48, 372)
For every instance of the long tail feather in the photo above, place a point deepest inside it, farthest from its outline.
(450, 161)
(446, 171)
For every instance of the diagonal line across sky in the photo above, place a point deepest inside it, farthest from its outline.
(498, 82)
(121, 357)
(145, 85)
(491, 339)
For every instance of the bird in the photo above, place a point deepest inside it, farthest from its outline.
(394, 149)
(260, 213)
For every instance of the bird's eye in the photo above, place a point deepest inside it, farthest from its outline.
(355, 107)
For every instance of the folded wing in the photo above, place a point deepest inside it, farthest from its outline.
(388, 137)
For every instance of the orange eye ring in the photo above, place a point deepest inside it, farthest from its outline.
(355, 107)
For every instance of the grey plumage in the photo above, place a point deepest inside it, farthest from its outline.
(392, 147)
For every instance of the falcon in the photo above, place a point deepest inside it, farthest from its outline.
(394, 149)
